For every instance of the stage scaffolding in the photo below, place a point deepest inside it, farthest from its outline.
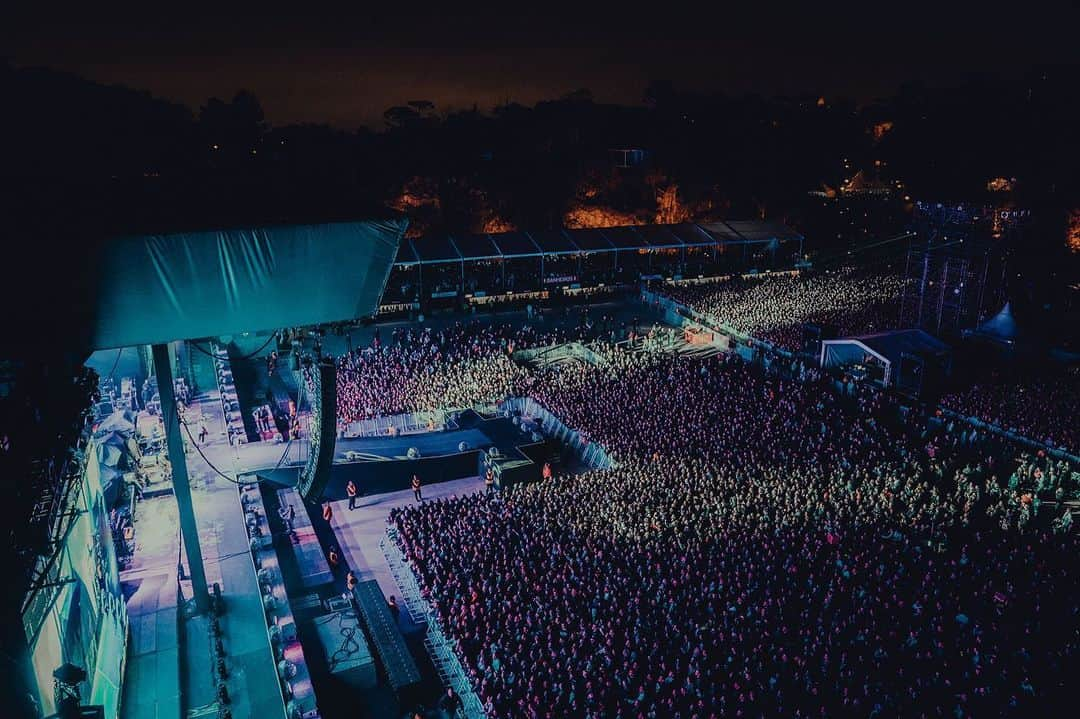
(950, 286)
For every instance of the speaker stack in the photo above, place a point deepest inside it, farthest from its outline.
(316, 472)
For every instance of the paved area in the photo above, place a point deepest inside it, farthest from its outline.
(359, 532)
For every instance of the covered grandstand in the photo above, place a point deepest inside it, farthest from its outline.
(446, 266)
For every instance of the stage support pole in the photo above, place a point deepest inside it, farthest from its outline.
(181, 488)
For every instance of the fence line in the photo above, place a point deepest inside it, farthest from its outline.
(589, 452)
(442, 650)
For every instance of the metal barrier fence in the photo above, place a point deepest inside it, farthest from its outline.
(591, 453)
(442, 650)
(411, 423)
(554, 353)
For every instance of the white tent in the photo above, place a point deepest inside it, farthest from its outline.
(885, 348)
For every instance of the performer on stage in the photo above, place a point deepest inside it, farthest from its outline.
(416, 488)
(350, 489)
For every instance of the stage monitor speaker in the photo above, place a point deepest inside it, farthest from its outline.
(316, 472)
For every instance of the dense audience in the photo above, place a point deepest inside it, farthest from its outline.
(765, 546)
(773, 308)
(1042, 407)
(422, 369)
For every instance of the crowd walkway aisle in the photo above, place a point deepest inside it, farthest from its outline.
(361, 530)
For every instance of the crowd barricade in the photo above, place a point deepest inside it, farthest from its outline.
(442, 650)
(678, 314)
(409, 423)
(591, 453)
(554, 353)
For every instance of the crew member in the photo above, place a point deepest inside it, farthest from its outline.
(350, 581)
(288, 515)
(395, 610)
(416, 488)
(333, 558)
(546, 472)
(489, 480)
(350, 489)
(327, 512)
(450, 703)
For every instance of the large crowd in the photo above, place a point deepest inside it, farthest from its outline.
(1039, 406)
(423, 370)
(773, 308)
(764, 546)
(426, 369)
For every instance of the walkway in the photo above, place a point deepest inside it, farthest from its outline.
(161, 668)
(360, 531)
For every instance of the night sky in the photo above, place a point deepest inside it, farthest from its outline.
(344, 67)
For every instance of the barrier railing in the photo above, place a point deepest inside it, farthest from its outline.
(554, 353)
(591, 453)
(442, 650)
(409, 423)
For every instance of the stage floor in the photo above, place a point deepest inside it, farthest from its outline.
(359, 532)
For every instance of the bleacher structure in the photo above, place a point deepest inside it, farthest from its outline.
(441, 649)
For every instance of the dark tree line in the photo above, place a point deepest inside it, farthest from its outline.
(84, 161)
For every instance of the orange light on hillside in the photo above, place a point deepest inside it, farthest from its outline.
(496, 224)
(1072, 230)
(581, 218)
(882, 129)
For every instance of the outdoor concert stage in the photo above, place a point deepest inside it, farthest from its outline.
(381, 464)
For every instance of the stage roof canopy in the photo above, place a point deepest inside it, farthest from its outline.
(160, 288)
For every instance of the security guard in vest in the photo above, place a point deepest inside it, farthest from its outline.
(350, 489)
